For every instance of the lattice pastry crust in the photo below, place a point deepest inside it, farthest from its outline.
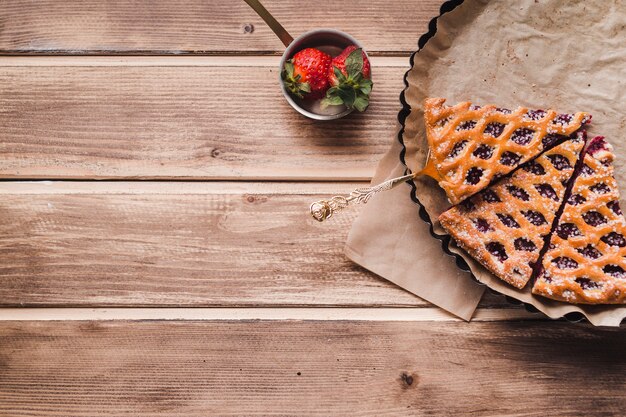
(585, 260)
(471, 145)
(504, 226)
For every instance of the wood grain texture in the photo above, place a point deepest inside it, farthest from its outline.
(180, 244)
(199, 26)
(226, 122)
(310, 368)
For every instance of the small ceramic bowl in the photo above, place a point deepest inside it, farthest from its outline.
(332, 42)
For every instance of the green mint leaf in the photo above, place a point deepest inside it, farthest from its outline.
(354, 62)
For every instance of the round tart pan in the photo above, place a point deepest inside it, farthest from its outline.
(404, 114)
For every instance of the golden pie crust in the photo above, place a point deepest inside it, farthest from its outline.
(585, 261)
(504, 226)
(457, 136)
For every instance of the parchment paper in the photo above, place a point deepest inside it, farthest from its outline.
(568, 55)
(390, 239)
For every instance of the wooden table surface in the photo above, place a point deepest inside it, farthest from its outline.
(167, 264)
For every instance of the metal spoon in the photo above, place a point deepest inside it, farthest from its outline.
(324, 209)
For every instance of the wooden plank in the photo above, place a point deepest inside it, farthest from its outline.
(168, 61)
(310, 369)
(201, 27)
(181, 244)
(422, 313)
(181, 122)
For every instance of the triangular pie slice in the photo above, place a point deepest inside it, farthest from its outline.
(584, 262)
(504, 227)
(471, 146)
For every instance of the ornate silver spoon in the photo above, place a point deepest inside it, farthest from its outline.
(324, 209)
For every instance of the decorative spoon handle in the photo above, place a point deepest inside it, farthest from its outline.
(276, 27)
(324, 209)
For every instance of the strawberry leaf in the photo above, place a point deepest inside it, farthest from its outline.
(348, 95)
(339, 75)
(332, 101)
(366, 86)
(288, 70)
(292, 82)
(354, 62)
(361, 103)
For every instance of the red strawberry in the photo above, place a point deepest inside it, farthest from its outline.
(340, 62)
(306, 74)
(350, 80)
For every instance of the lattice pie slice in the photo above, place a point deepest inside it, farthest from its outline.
(585, 261)
(471, 146)
(504, 227)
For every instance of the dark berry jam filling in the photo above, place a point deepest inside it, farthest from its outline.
(523, 244)
(490, 196)
(483, 151)
(456, 149)
(563, 119)
(467, 125)
(576, 199)
(522, 136)
(586, 171)
(550, 139)
(587, 284)
(589, 252)
(510, 158)
(467, 205)
(597, 144)
(594, 218)
(534, 168)
(482, 225)
(563, 262)
(535, 114)
(601, 188)
(567, 230)
(494, 129)
(615, 271)
(508, 220)
(497, 250)
(518, 192)
(534, 217)
(559, 161)
(614, 239)
(546, 190)
(615, 208)
(474, 175)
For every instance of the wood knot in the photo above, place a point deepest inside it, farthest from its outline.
(408, 379)
(252, 198)
(248, 28)
(215, 153)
